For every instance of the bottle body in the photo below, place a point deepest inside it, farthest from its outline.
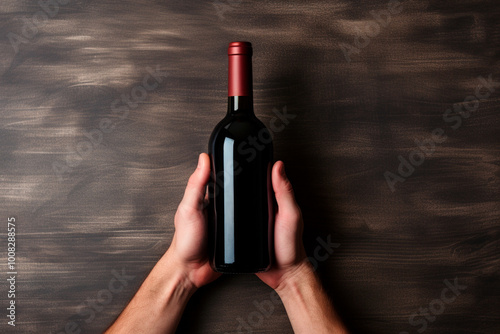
(240, 215)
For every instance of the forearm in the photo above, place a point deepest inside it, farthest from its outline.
(158, 305)
(307, 305)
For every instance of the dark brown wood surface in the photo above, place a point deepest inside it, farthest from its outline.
(83, 218)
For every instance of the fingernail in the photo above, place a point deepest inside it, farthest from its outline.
(199, 161)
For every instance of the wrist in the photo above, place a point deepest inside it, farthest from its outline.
(174, 273)
(161, 299)
(301, 273)
(307, 304)
(167, 283)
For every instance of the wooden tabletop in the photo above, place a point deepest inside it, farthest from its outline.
(391, 143)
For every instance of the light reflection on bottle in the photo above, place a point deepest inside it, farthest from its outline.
(228, 200)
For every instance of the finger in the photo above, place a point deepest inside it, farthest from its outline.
(194, 194)
(283, 191)
(288, 223)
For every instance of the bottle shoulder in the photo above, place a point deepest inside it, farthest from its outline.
(238, 127)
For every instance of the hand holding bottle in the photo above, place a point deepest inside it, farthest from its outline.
(290, 255)
(292, 276)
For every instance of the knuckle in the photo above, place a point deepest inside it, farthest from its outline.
(184, 211)
(287, 186)
(192, 181)
(292, 213)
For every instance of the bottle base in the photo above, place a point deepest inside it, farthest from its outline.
(231, 269)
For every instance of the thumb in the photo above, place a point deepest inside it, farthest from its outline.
(283, 191)
(288, 221)
(194, 194)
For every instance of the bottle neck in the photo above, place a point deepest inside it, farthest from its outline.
(240, 105)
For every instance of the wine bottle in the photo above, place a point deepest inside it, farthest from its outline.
(240, 215)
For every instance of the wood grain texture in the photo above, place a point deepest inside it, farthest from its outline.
(114, 207)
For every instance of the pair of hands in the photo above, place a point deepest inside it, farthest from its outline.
(185, 267)
(189, 245)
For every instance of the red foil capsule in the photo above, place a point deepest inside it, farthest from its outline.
(240, 69)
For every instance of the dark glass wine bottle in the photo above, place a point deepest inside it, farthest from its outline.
(241, 218)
